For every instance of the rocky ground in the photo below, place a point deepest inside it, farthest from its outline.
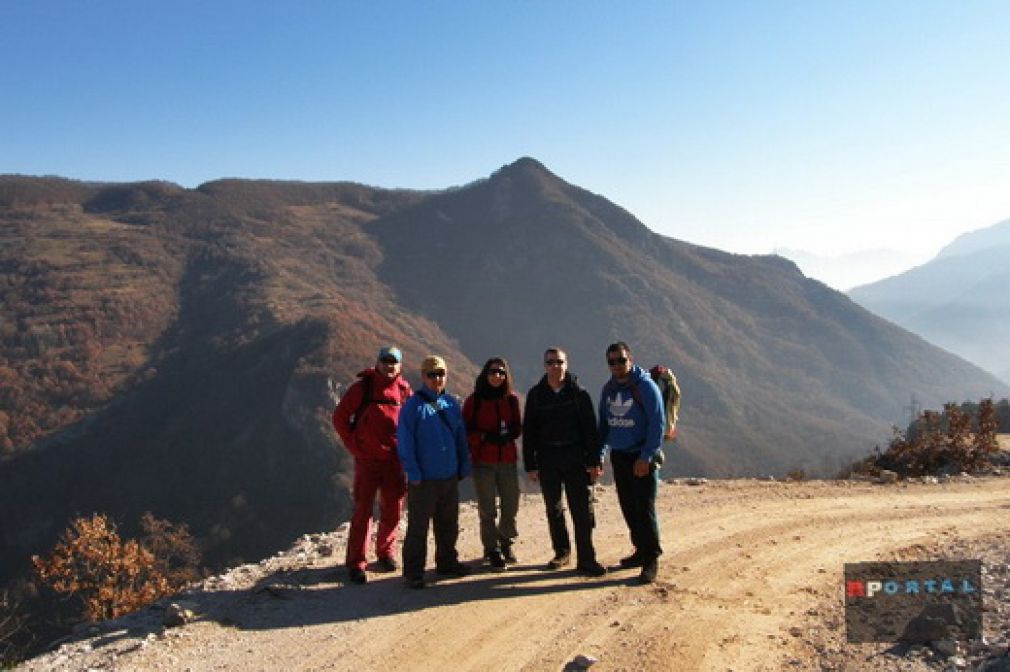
(986, 655)
(751, 580)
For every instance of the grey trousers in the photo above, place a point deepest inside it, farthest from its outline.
(432, 503)
(493, 483)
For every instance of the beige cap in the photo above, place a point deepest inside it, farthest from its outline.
(432, 363)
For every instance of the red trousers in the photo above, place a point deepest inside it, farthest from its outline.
(370, 476)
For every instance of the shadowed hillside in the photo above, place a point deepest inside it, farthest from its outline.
(180, 351)
(190, 344)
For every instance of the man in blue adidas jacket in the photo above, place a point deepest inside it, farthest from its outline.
(631, 426)
(431, 443)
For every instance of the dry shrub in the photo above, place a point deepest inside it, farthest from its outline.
(938, 443)
(110, 576)
(175, 551)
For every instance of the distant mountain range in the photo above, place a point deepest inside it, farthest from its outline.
(180, 350)
(958, 300)
(843, 271)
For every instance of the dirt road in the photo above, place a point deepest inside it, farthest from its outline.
(750, 580)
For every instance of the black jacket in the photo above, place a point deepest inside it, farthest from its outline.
(559, 428)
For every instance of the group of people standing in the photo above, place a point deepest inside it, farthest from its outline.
(419, 444)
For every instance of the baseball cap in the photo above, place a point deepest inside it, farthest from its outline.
(390, 351)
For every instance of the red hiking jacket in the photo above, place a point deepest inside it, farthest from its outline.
(484, 420)
(374, 433)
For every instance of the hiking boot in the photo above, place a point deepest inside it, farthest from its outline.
(508, 555)
(386, 564)
(495, 559)
(457, 570)
(591, 568)
(416, 583)
(649, 570)
(357, 575)
(633, 560)
(559, 560)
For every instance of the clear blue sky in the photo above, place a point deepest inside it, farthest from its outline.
(823, 126)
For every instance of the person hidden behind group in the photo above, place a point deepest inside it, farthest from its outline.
(432, 445)
(493, 424)
(561, 451)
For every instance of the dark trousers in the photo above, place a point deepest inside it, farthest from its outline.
(433, 502)
(386, 478)
(637, 496)
(574, 480)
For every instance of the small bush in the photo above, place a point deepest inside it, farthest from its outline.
(939, 443)
(176, 554)
(108, 576)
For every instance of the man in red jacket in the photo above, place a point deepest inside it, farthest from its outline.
(365, 418)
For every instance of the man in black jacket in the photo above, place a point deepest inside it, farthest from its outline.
(561, 452)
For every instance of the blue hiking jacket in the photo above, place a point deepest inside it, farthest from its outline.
(632, 421)
(431, 437)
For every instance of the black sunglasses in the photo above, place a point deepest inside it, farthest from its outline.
(389, 360)
(435, 374)
(554, 361)
(617, 360)
(500, 372)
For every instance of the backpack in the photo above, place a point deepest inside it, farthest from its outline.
(670, 391)
(366, 399)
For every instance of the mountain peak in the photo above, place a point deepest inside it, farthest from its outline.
(980, 240)
(527, 163)
(525, 168)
